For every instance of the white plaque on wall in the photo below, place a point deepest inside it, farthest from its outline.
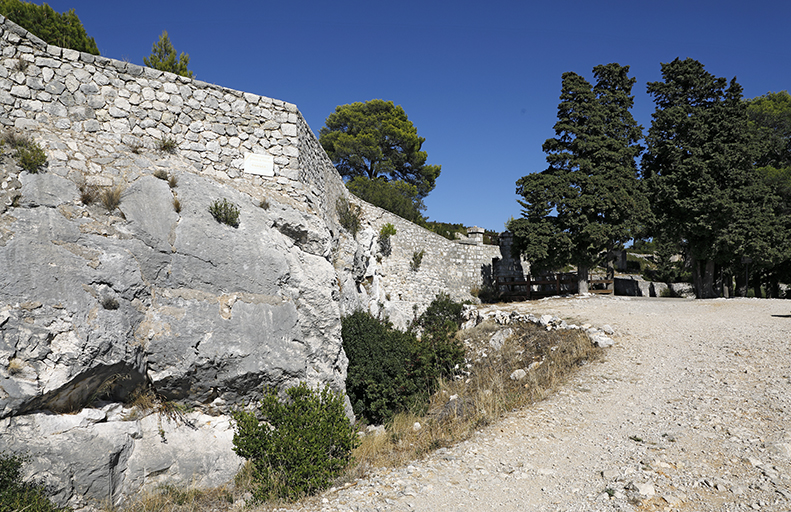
(263, 165)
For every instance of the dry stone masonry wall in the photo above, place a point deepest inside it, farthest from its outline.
(43, 87)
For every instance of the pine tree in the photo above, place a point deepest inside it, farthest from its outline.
(64, 30)
(163, 57)
(588, 202)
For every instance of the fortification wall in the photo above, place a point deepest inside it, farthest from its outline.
(91, 114)
(46, 89)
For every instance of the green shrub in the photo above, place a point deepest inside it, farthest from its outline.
(438, 352)
(16, 495)
(349, 215)
(380, 363)
(417, 259)
(30, 156)
(385, 233)
(297, 448)
(391, 371)
(225, 212)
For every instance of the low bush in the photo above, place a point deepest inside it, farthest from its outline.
(16, 495)
(225, 212)
(161, 174)
(29, 155)
(380, 363)
(437, 352)
(385, 233)
(297, 447)
(391, 371)
(349, 215)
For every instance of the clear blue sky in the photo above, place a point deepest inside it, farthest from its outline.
(480, 80)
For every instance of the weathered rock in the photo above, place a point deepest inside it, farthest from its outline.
(498, 338)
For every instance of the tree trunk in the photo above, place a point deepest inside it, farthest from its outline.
(582, 279)
(704, 279)
(755, 281)
(727, 284)
(741, 281)
(611, 255)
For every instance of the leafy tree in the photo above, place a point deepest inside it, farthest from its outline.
(59, 29)
(375, 139)
(397, 197)
(770, 118)
(698, 168)
(163, 57)
(588, 202)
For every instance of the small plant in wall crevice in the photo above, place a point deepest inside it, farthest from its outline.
(417, 259)
(225, 212)
(385, 246)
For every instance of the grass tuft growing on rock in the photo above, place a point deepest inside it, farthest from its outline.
(111, 198)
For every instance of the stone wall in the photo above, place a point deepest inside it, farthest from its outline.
(393, 287)
(43, 87)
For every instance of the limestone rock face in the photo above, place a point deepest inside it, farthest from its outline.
(96, 304)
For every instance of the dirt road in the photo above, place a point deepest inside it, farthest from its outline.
(690, 410)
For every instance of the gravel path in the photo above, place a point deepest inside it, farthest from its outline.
(689, 410)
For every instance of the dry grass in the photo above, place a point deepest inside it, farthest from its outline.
(161, 174)
(88, 194)
(111, 198)
(171, 498)
(483, 396)
(177, 205)
(15, 366)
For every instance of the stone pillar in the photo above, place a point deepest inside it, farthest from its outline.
(475, 234)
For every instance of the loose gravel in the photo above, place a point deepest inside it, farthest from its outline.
(690, 410)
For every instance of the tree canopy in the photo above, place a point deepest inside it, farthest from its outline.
(58, 29)
(394, 196)
(376, 140)
(163, 57)
(588, 201)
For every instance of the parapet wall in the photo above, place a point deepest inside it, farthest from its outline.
(43, 87)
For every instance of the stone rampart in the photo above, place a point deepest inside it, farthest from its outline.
(446, 266)
(45, 88)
